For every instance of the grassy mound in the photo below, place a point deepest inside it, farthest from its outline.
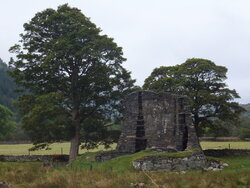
(119, 164)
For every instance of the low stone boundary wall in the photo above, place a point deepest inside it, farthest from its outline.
(223, 139)
(226, 152)
(109, 155)
(166, 163)
(33, 158)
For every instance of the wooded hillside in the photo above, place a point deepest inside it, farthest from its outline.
(7, 86)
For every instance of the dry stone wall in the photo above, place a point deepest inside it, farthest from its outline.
(167, 164)
(33, 158)
(226, 152)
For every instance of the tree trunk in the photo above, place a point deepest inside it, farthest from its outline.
(75, 141)
(196, 125)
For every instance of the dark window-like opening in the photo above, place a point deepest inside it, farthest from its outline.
(140, 117)
(182, 118)
(140, 122)
(140, 144)
(181, 103)
(140, 132)
(185, 138)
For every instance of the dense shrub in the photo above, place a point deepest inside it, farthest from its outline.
(244, 133)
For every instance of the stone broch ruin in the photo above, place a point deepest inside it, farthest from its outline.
(160, 122)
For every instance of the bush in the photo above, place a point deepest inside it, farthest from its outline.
(244, 133)
(2, 159)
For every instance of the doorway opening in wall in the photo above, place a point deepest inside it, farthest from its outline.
(185, 138)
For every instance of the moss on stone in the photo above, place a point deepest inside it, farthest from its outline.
(181, 154)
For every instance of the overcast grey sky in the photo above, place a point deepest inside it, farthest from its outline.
(156, 33)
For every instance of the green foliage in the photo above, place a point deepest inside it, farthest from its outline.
(244, 130)
(95, 133)
(247, 107)
(74, 77)
(8, 97)
(220, 128)
(244, 133)
(245, 116)
(7, 86)
(204, 83)
(44, 115)
(5, 115)
(6, 125)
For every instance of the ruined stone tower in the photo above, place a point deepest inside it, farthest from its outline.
(161, 122)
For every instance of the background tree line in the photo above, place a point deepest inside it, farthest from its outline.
(7, 87)
(13, 130)
(10, 128)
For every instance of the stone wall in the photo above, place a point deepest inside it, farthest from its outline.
(108, 155)
(33, 158)
(167, 164)
(156, 121)
(226, 152)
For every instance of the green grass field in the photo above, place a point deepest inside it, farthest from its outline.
(225, 145)
(118, 172)
(56, 148)
(63, 148)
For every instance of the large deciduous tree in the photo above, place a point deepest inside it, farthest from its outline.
(204, 82)
(73, 77)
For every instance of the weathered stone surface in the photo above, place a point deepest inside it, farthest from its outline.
(33, 158)
(4, 185)
(108, 155)
(165, 163)
(215, 165)
(161, 123)
(157, 121)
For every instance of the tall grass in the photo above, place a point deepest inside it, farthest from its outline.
(33, 175)
(118, 173)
